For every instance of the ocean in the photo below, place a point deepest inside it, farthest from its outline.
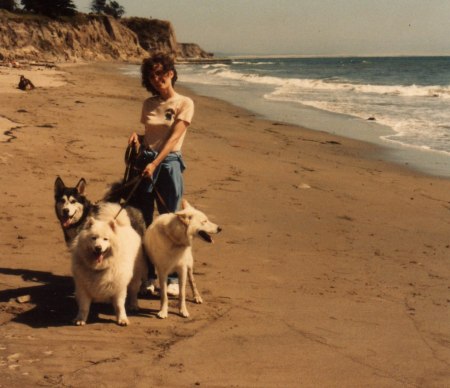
(400, 102)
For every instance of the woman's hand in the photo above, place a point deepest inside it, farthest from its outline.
(149, 170)
(133, 138)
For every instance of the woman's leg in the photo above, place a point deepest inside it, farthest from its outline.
(170, 187)
(145, 202)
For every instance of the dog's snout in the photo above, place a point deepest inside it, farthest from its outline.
(65, 212)
(98, 249)
(219, 229)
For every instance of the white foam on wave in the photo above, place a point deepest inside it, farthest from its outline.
(419, 115)
(292, 85)
(250, 78)
(253, 63)
(215, 65)
(412, 128)
(287, 85)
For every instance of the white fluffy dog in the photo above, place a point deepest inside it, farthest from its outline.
(107, 258)
(168, 244)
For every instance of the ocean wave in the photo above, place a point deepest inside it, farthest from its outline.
(250, 78)
(215, 65)
(420, 130)
(292, 85)
(253, 63)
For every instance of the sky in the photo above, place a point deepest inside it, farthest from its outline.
(303, 27)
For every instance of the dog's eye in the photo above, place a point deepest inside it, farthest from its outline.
(72, 201)
(105, 239)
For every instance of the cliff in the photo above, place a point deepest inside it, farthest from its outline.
(154, 34)
(87, 37)
(192, 51)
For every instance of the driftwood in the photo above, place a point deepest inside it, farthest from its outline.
(25, 64)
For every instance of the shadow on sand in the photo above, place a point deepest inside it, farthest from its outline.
(52, 301)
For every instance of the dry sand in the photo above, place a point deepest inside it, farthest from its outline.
(332, 269)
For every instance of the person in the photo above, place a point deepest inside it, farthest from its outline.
(166, 115)
(25, 84)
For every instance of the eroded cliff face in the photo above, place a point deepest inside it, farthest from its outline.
(192, 51)
(153, 34)
(159, 35)
(86, 37)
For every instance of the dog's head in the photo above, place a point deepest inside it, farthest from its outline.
(197, 223)
(98, 239)
(70, 202)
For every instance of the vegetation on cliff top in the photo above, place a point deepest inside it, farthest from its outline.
(58, 8)
(53, 30)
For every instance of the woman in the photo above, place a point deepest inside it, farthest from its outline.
(166, 116)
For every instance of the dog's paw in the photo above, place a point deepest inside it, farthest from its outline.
(123, 321)
(79, 322)
(184, 313)
(162, 314)
(198, 299)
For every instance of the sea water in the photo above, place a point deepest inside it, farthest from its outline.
(400, 102)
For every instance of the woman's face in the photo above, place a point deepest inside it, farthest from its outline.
(160, 79)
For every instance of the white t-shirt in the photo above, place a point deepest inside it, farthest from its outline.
(159, 115)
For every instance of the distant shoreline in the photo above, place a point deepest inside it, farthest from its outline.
(302, 56)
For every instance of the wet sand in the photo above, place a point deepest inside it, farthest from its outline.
(332, 268)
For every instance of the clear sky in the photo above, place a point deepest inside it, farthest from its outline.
(303, 27)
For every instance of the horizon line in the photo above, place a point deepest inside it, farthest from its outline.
(256, 56)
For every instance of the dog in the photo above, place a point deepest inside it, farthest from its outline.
(168, 244)
(25, 84)
(72, 208)
(107, 263)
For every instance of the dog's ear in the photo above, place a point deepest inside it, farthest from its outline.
(81, 186)
(89, 222)
(185, 204)
(59, 185)
(184, 218)
(113, 225)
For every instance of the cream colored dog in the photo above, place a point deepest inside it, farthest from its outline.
(168, 244)
(107, 259)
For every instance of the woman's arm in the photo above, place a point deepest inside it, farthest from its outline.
(134, 138)
(178, 130)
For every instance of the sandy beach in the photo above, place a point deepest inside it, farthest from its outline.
(331, 270)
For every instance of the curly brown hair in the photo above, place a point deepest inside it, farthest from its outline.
(167, 62)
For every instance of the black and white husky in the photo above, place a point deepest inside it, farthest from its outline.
(108, 261)
(72, 209)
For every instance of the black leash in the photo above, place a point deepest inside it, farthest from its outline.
(131, 155)
(138, 180)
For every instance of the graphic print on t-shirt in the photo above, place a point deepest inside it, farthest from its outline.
(169, 113)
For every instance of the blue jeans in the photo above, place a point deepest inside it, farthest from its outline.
(167, 181)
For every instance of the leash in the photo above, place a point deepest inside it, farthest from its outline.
(138, 180)
(131, 154)
(161, 199)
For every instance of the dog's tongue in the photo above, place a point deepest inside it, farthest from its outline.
(66, 223)
(99, 258)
